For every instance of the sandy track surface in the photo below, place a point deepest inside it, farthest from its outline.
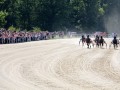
(58, 65)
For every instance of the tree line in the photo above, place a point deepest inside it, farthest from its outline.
(54, 15)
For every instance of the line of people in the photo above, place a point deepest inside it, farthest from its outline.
(7, 37)
(98, 41)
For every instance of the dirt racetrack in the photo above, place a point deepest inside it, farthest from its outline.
(58, 65)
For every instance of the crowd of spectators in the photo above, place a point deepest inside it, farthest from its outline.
(8, 36)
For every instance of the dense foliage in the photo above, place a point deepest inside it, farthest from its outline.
(54, 15)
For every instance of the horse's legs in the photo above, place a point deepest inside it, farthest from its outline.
(88, 44)
(93, 45)
(114, 46)
(82, 44)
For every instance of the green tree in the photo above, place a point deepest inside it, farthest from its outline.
(3, 14)
(54, 15)
(2, 18)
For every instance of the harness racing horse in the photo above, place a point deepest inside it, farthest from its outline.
(83, 39)
(100, 42)
(89, 42)
(97, 41)
(115, 43)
